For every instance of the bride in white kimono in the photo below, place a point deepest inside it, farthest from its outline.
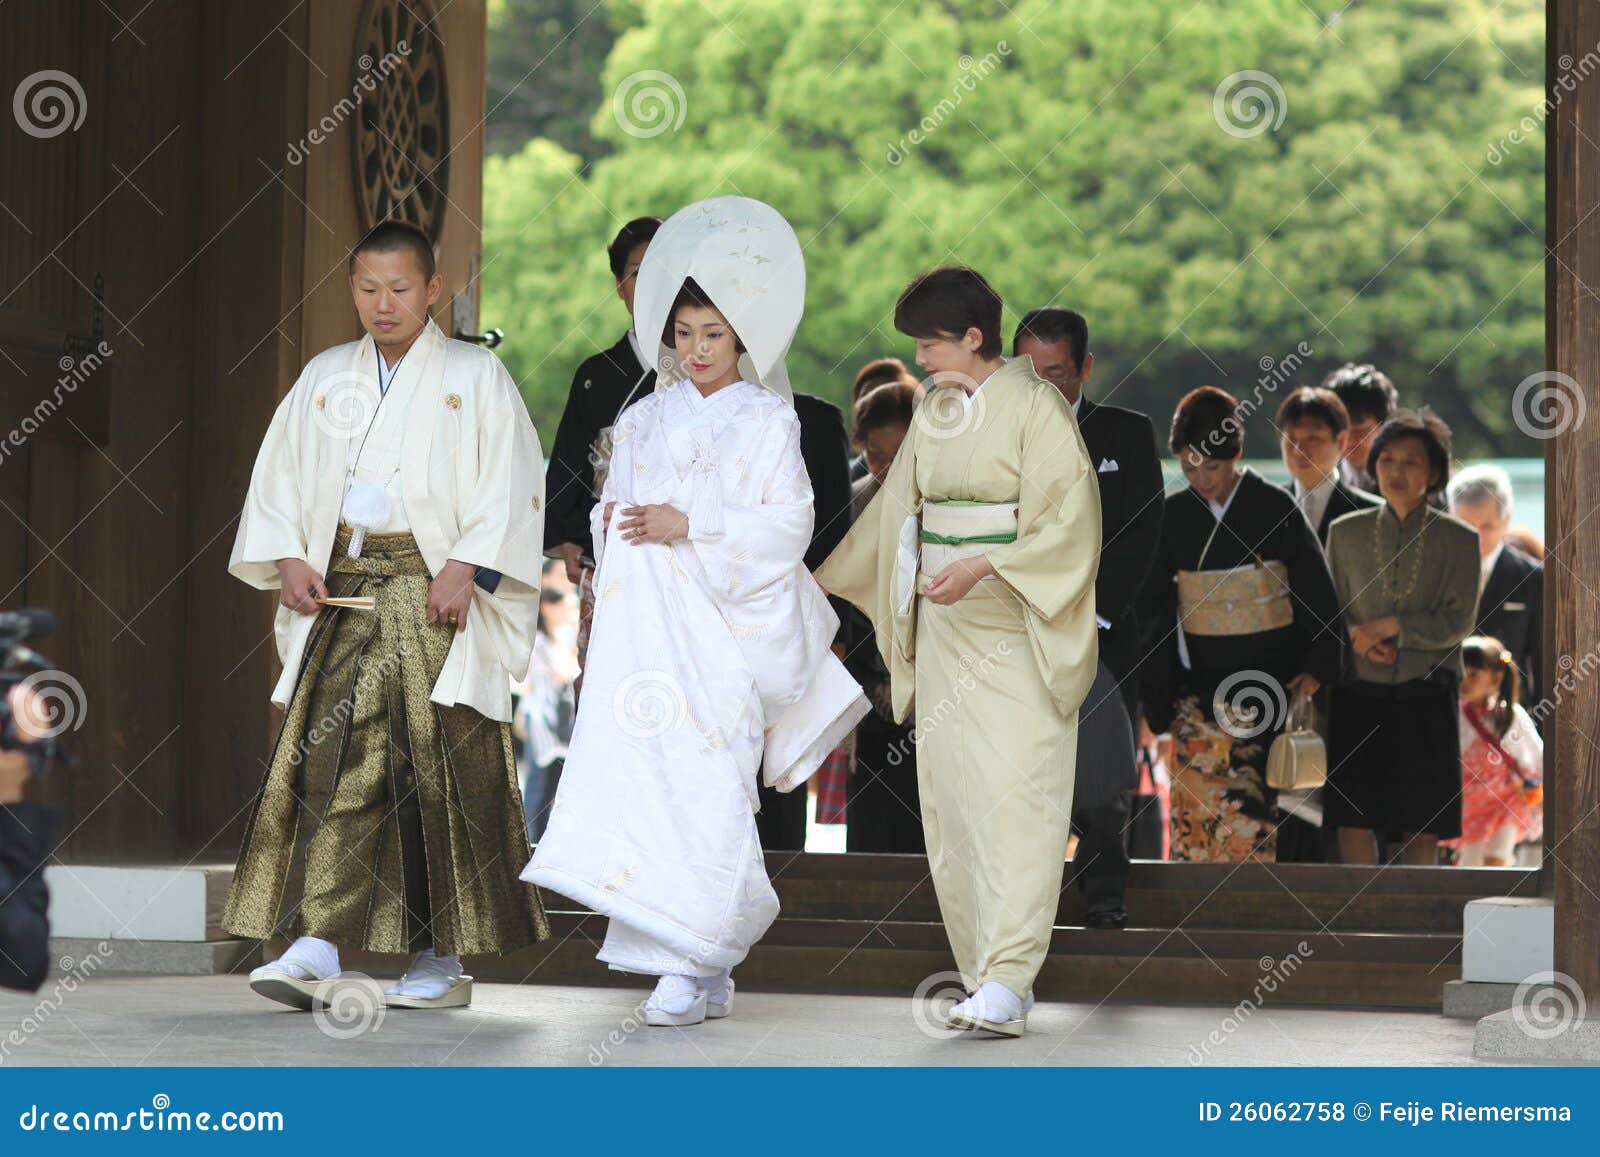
(709, 660)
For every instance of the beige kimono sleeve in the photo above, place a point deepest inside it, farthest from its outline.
(871, 570)
(1052, 564)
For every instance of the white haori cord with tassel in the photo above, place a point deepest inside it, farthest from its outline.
(366, 507)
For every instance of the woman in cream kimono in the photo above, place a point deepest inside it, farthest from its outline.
(709, 658)
(976, 563)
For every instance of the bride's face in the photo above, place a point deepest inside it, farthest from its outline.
(706, 345)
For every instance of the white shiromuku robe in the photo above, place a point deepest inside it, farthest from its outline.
(709, 663)
(472, 482)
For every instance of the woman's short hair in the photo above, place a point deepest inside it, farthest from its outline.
(1207, 422)
(691, 294)
(877, 372)
(1429, 429)
(1313, 404)
(946, 302)
(891, 404)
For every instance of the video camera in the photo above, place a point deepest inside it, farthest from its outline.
(20, 663)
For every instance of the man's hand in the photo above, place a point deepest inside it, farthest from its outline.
(656, 522)
(952, 583)
(572, 555)
(450, 594)
(301, 586)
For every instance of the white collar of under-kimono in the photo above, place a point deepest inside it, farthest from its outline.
(1220, 509)
(967, 399)
(366, 505)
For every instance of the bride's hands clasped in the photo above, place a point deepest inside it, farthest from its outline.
(656, 522)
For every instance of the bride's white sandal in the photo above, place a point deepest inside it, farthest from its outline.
(719, 996)
(677, 1002)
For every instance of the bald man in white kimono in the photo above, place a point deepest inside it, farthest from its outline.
(401, 472)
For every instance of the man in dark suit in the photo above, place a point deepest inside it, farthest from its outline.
(1314, 435)
(1511, 584)
(825, 448)
(1370, 400)
(1314, 438)
(1122, 445)
(603, 384)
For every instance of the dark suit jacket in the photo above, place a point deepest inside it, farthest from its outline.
(602, 383)
(826, 449)
(1345, 499)
(1511, 608)
(1122, 451)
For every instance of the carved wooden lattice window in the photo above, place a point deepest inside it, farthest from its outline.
(402, 137)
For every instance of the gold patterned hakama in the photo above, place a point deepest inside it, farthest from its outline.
(385, 822)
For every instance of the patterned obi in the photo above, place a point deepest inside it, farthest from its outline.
(1242, 600)
(956, 530)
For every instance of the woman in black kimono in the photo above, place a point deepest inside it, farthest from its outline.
(1244, 616)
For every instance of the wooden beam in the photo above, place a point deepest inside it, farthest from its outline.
(1572, 473)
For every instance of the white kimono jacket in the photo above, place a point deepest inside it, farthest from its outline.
(472, 479)
(709, 659)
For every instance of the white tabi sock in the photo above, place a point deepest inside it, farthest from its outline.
(992, 1002)
(676, 994)
(430, 975)
(716, 987)
(307, 956)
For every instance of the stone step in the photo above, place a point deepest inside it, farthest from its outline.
(1134, 965)
(83, 957)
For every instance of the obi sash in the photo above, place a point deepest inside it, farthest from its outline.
(1241, 600)
(957, 530)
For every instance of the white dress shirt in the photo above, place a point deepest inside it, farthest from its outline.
(1313, 503)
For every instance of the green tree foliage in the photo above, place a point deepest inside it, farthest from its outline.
(1127, 159)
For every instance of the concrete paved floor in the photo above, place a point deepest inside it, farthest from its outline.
(216, 1020)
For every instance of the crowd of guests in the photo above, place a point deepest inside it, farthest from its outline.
(1393, 596)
